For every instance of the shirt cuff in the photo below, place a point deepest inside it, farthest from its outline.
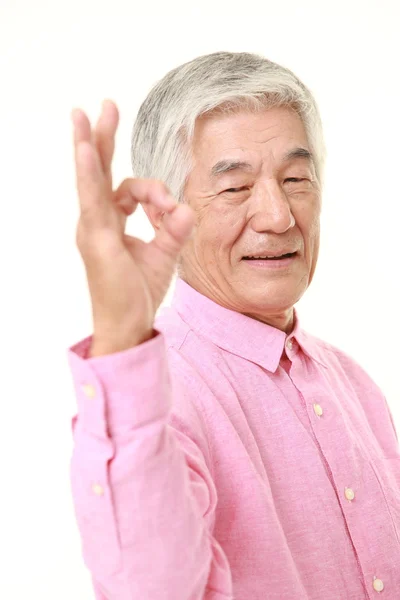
(121, 391)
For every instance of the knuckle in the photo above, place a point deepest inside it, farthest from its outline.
(83, 238)
(152, 186)
(85, 215)
(160, 186)
(144, 188)
(80, 237)
(126, 185)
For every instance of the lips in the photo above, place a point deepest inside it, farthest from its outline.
(270, 256)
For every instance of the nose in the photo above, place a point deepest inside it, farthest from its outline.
(271, 209)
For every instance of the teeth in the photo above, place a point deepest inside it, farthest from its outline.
(264, 256)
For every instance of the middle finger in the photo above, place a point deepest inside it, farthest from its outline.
(104, 136)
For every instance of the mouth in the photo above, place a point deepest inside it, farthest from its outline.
(270, 257)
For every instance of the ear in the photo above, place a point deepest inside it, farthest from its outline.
(154, 214)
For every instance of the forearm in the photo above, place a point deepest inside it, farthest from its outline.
(141, 522)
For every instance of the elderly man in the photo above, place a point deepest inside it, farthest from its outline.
(220, 451)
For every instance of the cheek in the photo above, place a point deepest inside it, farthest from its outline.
(313, 229)
(311, 241)
(221, 226)
(308, 221)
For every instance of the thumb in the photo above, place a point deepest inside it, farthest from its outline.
(175, 229)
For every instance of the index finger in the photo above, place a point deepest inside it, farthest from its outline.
(81, 127)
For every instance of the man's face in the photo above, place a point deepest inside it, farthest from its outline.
(247, 209)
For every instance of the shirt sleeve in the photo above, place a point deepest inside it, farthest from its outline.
(141, 480)
(392, 422)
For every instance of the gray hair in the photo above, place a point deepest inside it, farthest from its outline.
(164, 127)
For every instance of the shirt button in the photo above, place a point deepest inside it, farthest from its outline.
(378, 585)
(97, 489)
(89, 391)
(318, 410)
(349, 493)
(289, 344)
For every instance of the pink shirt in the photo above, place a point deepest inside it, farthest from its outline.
(223, 459)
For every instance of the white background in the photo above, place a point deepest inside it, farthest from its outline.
(58, 55)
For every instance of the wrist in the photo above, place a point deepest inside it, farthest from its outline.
(102, 345)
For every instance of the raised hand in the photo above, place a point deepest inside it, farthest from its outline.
(127, 278)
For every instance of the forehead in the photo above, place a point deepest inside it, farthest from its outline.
(258, 135)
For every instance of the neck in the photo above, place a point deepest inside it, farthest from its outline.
(284, 320)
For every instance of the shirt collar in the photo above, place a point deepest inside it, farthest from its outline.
(241, 335)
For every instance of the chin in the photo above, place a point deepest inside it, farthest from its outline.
(270, 298)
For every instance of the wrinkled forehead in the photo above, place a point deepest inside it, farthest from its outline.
(226, 141)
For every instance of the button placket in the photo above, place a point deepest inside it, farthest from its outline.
(349, 493)
(378, 584)
(350, 496)
(318, 410)
(289, 344)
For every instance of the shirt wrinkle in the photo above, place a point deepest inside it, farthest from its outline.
(248, 461)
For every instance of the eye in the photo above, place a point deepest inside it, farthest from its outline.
(295, 179)
(235, 190)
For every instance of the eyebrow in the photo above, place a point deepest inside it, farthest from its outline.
(224, 166)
